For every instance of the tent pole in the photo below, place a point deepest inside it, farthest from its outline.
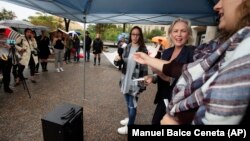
(84, 50)
(124, 27)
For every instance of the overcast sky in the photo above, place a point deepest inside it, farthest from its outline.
(21, 12)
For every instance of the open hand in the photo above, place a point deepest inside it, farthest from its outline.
(140, 57)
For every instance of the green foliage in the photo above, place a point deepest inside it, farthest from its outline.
(50, 21)
(7, 15)
(153, 33)
(108, 32)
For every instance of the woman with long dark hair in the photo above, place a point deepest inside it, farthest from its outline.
(132, 70)
(29, 56)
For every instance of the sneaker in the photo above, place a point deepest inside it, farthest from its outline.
(58, 70)
(61, 69)
(124, 121)
(123, 130)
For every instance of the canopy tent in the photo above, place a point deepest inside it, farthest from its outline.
(200, 12)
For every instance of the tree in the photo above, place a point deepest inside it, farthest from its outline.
(66, 22)
(101, 28)
(153, 33)
(52, 22)
(108, 31)
(7, 15)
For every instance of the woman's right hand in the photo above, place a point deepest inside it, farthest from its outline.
(141, 57)
(148, 79)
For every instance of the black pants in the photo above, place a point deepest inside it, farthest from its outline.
(120, 52)
(15, 71)
(67, 55)
(160, 111)
(32, 66)
(120, 64)
(87, 54)
(6, 69)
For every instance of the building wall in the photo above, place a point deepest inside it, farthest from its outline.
(210, 33)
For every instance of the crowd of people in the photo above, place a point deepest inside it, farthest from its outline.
(31, 51)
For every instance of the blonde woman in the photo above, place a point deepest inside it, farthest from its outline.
(180, 34)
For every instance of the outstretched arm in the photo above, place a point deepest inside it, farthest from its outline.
(143, 58)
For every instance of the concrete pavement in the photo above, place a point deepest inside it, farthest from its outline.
(93, 87)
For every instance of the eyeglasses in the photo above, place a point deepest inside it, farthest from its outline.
(135, 34)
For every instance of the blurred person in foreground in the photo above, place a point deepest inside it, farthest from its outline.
(5, 62)
(217, 83)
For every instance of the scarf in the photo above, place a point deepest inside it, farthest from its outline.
(219, 81)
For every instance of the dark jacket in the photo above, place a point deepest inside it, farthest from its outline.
(164, 89)
(88, 42)
(43, 45)
(97, 45)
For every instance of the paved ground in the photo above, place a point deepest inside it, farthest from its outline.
(93, 87)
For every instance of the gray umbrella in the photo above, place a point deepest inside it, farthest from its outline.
(17, 24)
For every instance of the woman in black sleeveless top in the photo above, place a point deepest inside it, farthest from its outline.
(59, 44)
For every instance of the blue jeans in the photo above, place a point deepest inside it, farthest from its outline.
(76, 57)
(131, 105)
(87, 54)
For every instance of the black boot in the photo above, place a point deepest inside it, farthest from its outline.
(95, 61)
(37, 68)
(99, 61)
(8, 90)
(42, 64)
(45, 66)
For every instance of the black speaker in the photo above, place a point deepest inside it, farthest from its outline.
(64, 123)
